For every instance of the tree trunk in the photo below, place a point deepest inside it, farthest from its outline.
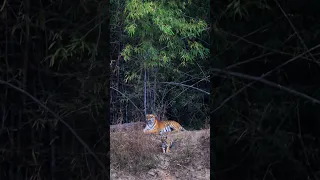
(145, 91)
(154, 90)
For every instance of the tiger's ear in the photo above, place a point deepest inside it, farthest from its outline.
(153, 114)
(156, 116)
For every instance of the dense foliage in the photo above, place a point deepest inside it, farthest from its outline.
(160, 53)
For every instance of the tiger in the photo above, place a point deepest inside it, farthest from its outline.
(166, 144)
(155, 126)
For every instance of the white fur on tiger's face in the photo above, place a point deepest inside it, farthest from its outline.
(150, 123)
(150, 118)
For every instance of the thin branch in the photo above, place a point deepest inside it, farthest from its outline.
(99, 24)
(60, 119)
(184, 91)
(127, 98)
(255, 44)
(180, 84)
(267, 48)
(249, 60)
(260, 79)
(254, 58)
(247, 35)
(302, 143)
(204, 74)
(232, 96)
(4, 3)
(296, 32)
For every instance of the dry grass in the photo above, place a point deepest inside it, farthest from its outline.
(130, 151)
(192, 149)
(134, 126)
(135, 153)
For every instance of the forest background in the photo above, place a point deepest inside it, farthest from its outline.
(262, 75)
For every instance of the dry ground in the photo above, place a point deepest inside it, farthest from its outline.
(135, 155)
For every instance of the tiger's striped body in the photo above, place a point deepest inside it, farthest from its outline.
(155, 126)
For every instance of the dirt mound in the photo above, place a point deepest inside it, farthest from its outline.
(135, 155)
(135, 126)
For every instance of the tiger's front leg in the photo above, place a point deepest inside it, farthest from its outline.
(164, 143)
(163, 150)
(163, 147)
(168, 148)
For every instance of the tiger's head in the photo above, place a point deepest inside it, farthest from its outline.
(150, 118)
(150, 123)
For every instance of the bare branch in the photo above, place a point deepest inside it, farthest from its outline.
(247, 35)
(267, 48)
(60, 119)
(127, 98)
(262, 76)
(180, 84)
(296, 32)
(260, 79)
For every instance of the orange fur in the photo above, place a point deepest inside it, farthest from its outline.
(159, 126)
(155, 126)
